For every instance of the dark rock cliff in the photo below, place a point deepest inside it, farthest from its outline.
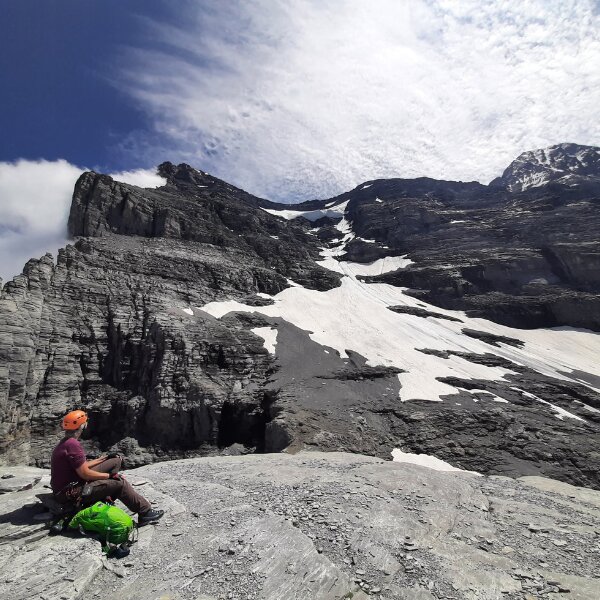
(105, 328)
(528, 259)
(112, 326)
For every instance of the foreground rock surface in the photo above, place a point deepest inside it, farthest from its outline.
(320, 526)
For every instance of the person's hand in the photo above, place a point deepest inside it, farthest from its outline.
(116, 476)
(101, 458)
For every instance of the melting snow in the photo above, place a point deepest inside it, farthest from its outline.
(426, 460)
(587, 407)
(269, 335)
(189, 311)
(380, 266)
(561, 413)
(335, 212)
(354, 316)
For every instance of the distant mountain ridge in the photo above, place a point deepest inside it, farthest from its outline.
(567, 164)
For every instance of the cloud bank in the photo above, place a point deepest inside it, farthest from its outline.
(294, 99)
(35, 197)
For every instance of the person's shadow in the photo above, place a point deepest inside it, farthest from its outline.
(29, 516)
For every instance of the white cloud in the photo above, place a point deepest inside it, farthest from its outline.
(35, 197)
(34, 204)
(145, 178)
(299, 98)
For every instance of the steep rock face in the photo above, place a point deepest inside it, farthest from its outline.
(109, 327)
(529, 259)
(193, 317)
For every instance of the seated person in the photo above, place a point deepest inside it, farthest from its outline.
(70, 472)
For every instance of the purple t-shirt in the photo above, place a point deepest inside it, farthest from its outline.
(66, 457)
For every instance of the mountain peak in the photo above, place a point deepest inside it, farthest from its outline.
(182, 174)
(565, 163)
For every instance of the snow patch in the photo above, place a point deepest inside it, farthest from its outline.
(560, 413)
(269, 335)
(426, 460)
(189, 311)
(380, 266)
(335, 212)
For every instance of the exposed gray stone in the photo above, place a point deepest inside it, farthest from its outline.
(245, 505)
(15, 479)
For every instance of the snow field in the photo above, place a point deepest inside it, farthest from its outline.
(426, 460)
(355, 317)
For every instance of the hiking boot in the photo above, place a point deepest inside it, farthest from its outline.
(150, 516)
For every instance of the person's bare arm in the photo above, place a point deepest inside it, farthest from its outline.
(92, 463)
(88, 474)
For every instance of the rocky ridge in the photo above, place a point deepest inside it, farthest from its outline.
(119, 325)
(567, 164)
(320, 526)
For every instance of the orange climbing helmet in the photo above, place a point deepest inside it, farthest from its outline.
(74, 420)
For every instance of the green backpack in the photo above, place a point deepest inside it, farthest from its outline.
(109, 523)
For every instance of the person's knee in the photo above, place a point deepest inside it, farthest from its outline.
(112, 465)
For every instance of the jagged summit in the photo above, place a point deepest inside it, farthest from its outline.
(567, 164)
(184, 174)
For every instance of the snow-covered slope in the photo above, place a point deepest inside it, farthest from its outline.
(568, 164)
(356, 317)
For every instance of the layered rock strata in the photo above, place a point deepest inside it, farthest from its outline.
(109, 328)
(117, 324)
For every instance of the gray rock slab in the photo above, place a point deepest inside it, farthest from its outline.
(18, 522)
(49, 569)
(15, 479)
(559, 487)
(323, 526)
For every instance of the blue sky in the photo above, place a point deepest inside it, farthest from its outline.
(287, 99)
(57, 58)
